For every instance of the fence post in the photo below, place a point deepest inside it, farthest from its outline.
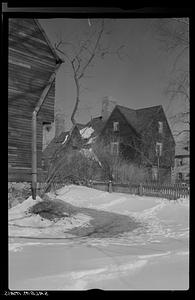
(141, 189)
(110, 186)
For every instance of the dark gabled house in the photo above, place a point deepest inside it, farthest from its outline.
(32, 63)
(140, 136)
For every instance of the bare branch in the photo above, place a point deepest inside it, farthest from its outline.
(94, 51)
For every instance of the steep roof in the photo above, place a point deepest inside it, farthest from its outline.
(97, 124)
(145, 116)
(47, 40)
(139, 118)
(130, 115)
(60, 141)
(54, 144)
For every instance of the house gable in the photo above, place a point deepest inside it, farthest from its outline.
(139, 129)
(125, 126)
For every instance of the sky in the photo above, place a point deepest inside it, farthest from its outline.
(136, 79)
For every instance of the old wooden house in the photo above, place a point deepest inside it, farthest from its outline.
(32, 61)
(141, 136)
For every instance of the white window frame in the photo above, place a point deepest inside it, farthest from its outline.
(160, 127)
(113, 145)
(115, 126)
(160, 149)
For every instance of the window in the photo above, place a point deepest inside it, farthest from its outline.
(115, 148)
(154, 173)
(181, 162)
(180, 176)
(158, 149)
(116, 126)
(160, 127)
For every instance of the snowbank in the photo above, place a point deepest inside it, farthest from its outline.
(154, 256)
(86, 132)
(162, 219)
(22, 223)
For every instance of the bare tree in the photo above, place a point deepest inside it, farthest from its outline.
(82, 57)
(174, 35)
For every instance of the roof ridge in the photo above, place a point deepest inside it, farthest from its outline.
(160, 105)
(125, 107)
(47, 40)
(133, 109)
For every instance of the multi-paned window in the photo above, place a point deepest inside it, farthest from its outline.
(115, 126)
(114, 148)
(159, 149)
(160, 127)
(180, 176)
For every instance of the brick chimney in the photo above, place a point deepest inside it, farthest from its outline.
(59, 124)
(108, 104)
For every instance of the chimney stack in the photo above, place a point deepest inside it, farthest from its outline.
(108, 104)
(59, 124)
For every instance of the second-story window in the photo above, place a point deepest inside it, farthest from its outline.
(158, 149)
(115, 126)
(160, 127)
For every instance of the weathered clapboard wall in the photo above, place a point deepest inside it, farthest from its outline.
(32, 60)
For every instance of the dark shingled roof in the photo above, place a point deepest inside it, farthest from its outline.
(56, 142)
(145, 116)
(97, 124)
(139, 119)
(130, 115)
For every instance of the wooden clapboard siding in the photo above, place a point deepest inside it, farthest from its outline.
(32, 61)
(23, 174)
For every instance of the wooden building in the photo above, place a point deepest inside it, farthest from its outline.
(32, 61)
(141, 136)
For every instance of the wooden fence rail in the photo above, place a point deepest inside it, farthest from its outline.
(168, 191)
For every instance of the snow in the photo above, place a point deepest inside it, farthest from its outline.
(21, 223)
(91, 140)
(65, 139)
(153, 256)
(86, 132)
(90, 154)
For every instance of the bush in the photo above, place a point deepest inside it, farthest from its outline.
(118, 169)
(74, 168)
(17, 193)
(130, 173)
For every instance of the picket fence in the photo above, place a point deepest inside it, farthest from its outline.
(168, 191)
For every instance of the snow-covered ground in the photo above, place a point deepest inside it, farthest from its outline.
(155, 255)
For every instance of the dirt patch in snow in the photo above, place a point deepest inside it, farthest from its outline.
(101, 224)
(52, 209)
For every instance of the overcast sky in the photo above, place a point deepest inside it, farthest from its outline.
(137, 80)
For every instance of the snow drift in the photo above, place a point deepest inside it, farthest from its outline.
(154, 255)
